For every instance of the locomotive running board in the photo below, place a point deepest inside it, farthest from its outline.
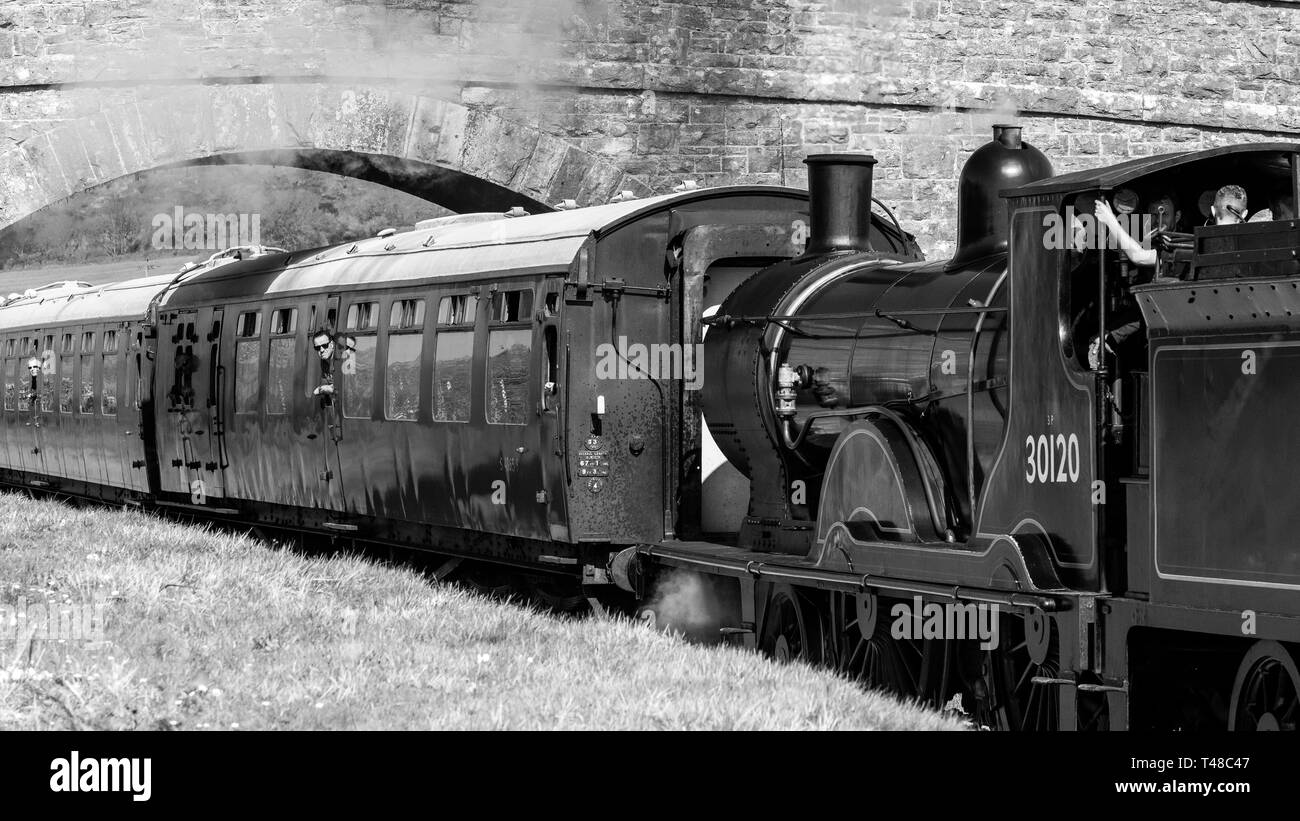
(732, 561)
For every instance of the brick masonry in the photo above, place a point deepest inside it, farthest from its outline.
(580, 98)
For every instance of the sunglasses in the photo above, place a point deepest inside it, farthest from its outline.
(322, 347)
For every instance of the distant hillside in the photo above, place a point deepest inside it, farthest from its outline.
(98, 273)
(134, 218)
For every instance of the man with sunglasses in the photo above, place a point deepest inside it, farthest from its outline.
(1229, 206)
(323, 342)
(34, 392)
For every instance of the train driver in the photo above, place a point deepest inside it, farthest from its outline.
(1164, 217)
(1127, 318)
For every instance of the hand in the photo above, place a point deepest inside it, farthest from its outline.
(1105, 214)
(1094, 348)
(323, 389)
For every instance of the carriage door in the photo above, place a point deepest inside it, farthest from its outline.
(550, 430)
(188, 364)
(325, 434)
(208, 394)
(44, 450)
(514, 457)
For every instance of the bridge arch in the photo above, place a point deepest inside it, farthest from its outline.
(460, 157)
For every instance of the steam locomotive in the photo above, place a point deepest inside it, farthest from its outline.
(850, 452)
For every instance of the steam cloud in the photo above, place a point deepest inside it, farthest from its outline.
(684, 602)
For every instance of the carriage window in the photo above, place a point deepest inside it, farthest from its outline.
(110, 341)
(402, 376)
(551, 378)
(508, 355)
(21, 383)
(457, 310)
(249, 324)
(246, 375)
(363, 316)
(65, 345)
(87, 402)
(10, 383)
(512, 306)
(108, 399)
(47, 371)
(359, 379)
(9, 347)
(279, 380)
(406, 313)
(451, 373)
(65, 380)
(88, 342)
(284, 320)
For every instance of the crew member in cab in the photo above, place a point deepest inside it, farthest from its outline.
(1229, 206)
(1164, 217)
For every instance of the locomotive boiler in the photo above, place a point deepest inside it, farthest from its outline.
(799, 349)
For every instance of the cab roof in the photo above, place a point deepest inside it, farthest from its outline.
(1113, 176)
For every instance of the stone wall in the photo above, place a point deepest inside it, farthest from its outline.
(719, 91)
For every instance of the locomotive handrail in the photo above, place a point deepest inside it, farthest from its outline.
(833, 579)
(970, 394)
(720, 319)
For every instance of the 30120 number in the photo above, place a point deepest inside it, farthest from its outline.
(1051, 458)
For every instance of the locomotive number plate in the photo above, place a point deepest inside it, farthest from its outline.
(593, 463)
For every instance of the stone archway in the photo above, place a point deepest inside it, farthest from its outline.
(459, 157)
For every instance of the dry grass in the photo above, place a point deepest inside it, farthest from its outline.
(208, 630)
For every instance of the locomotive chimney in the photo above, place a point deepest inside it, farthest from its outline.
(1004, 162)
(839, 202)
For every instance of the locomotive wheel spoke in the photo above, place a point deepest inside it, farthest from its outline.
(1006, 697)
(901, 667)
(791, 629)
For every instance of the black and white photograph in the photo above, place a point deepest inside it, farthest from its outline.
(645, 365)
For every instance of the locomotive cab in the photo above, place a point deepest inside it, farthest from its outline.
(1103, 315)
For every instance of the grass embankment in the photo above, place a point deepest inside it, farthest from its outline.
(207, 630)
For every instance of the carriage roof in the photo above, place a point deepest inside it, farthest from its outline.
(120, 301)
(459, 249)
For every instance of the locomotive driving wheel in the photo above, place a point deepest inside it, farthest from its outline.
(1017, 688)
(1264, 695)
(791, 628)
(906, 668)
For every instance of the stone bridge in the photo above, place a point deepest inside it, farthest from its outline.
(475, 103)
